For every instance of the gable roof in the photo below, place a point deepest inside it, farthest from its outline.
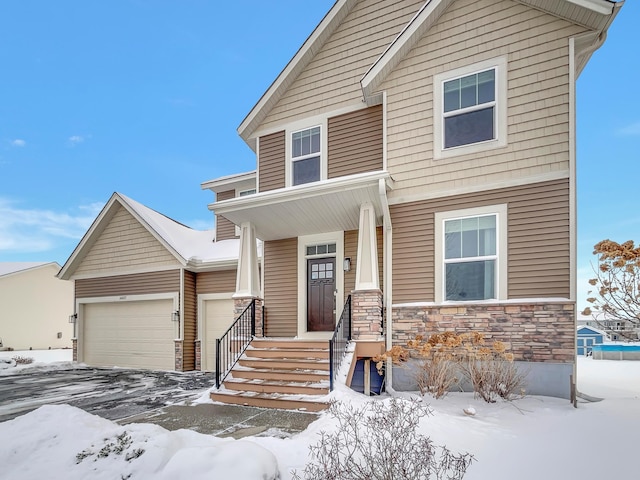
(8, 268)
(188, 246)
(595, 15)
(588, 330)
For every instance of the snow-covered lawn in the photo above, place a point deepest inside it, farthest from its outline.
(530, 439)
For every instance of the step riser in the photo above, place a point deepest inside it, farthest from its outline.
(282, 389)
(285, 365)
(307, 354)
(269, 403)
(292, 344)
(277, 376)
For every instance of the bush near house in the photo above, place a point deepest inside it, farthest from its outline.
(445, 359)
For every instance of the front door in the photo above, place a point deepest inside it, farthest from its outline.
(321, 286)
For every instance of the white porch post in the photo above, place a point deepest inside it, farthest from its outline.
(366, 299)
(247, 278)
(367, 277)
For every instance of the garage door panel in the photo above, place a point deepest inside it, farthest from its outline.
(219, 315)
(137, 334)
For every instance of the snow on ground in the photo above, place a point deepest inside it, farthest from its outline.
(52, 359)
(533, 438)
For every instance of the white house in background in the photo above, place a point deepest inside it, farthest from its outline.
(34, 306)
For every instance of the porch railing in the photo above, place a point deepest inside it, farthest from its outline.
(234, 342)
(339, 341)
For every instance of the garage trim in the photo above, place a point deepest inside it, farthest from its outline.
(81, 302)
(202, 321)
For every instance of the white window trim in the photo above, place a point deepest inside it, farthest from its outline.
(500, 66)
(501, 248)
(303, 242)
(297, 127)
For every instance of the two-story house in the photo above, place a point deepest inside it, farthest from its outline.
(415, 173)
(419, 157)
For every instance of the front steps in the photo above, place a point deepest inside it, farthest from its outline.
(279, 373)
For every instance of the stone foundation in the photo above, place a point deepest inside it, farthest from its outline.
(533, 332)
(179, 355)
(240, 304)
(74, 346)
(366, 314)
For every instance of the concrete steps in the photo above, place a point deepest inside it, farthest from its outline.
(286, 374)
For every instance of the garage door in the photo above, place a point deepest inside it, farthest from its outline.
(218, 318)
(130, 334)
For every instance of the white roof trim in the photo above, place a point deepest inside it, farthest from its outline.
(300, 60)
(12, 268)
(218, 184)
(599, 6)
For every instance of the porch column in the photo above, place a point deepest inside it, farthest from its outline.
(366, 299)
(248, 275)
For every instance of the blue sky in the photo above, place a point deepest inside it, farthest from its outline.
(144, 97)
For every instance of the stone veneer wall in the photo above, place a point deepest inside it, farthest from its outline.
(74, 345)
(179, 355)
(366, 314)
(198, 355)
(239, 306)
(533, 332)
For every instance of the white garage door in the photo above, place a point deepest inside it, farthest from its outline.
(130, 334)
(218, 318)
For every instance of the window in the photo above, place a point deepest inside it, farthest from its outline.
(305, 156)
(470, 258)
(471, 248)
(470, 109)
(244, 193)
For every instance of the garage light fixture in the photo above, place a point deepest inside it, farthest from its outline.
(73, 318)
(175, 316)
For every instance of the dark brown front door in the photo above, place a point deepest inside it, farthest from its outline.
(321, 285)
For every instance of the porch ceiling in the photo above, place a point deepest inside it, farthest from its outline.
(326, 206)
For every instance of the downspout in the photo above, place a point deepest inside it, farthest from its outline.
(573, 211)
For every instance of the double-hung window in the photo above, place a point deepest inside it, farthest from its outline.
(470, 109)
(305, 156)
(471, 253)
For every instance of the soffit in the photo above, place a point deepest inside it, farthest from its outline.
(327, 206)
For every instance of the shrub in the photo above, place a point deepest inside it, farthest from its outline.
(443, 359)
(22, 360)
(380, 442)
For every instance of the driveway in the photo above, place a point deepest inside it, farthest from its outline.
(114, 394)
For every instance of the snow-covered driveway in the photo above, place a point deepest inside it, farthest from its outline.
(113, 394)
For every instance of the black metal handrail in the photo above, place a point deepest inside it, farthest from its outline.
(234, 342)
(339, 341)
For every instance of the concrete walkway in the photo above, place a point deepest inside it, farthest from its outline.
(228, 420)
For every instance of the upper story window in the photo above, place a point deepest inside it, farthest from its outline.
(244, 193)
(305, 156)
(470, 105)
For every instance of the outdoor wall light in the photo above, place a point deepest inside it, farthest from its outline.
(73, 318)
(175, 316)
(346, 264)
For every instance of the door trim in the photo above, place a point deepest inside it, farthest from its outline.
(303, 242)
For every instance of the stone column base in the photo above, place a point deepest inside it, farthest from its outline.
(366, 314)
(198, 355)
(74, 345)
(240, 304)
(179, 355)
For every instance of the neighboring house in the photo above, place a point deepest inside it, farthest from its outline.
(149, 291)
(35, 307)
(587, 337)
(419, 157)
(615, 329)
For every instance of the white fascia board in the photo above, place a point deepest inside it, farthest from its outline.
(299, 191)
(222, 183)
(302, 57)
(603, 7)
(406, 39)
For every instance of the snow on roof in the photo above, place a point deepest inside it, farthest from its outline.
(190, 244)
(7, 268)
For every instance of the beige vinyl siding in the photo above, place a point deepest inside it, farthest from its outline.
(355, 142)
(190, 322)
(536, 46)
(280, 287)
(223, 281)
(224, 228)
(125, 244)
(331, 80)
(351, 251)
(538, 241)
(136, 284)
(271, 162)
